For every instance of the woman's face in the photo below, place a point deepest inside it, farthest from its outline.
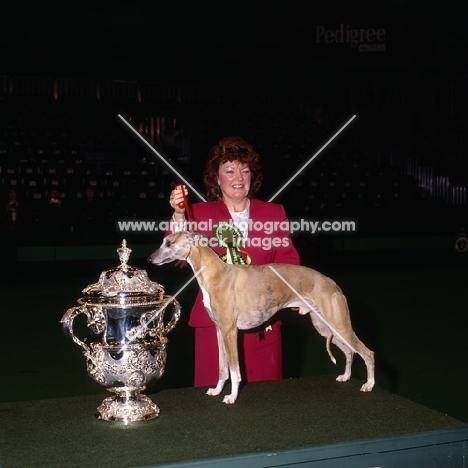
(234, 180)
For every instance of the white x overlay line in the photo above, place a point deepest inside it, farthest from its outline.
(173, 169)
(171, 299)
(335, 332)
(312, 158)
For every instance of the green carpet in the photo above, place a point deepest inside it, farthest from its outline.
(268, 416)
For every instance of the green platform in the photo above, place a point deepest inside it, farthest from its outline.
(293, 421)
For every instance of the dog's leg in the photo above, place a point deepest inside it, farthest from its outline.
(231, 347)
(228, 362)
(349, 355)
(367, 356)
(337, 322)
(222, 366)
(349, 343)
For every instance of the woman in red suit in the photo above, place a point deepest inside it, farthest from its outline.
(232, 177)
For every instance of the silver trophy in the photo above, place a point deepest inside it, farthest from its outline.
(124, 337)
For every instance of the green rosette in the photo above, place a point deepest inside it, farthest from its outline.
(230, 238)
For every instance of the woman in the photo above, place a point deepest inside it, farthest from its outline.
(232, 178)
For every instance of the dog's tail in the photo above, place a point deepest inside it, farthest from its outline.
(329, 338)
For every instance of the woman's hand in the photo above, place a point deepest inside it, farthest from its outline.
(177, 198)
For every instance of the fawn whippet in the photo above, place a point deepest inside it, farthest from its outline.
(245, 296)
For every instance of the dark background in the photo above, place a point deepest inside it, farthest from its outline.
(226, 42)
(420, 77)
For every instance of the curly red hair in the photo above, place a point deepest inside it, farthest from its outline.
(232, 148)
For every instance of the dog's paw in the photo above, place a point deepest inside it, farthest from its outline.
(368, 386)
(343, 378)
(229, 399)
(216, 390)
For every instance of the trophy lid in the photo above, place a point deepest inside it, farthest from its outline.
(123, 285)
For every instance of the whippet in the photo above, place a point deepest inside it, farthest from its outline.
(245, 296)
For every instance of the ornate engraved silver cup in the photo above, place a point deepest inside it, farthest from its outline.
(124, 340)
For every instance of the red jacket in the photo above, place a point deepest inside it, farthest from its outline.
(276, 232)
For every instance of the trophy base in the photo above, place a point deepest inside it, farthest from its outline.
(127, 405)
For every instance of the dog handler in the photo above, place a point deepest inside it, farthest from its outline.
(232, 177)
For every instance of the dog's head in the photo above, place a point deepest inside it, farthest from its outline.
(176, 246)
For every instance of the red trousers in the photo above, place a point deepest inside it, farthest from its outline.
(260, 355)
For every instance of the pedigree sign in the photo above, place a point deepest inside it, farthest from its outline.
(360, 39)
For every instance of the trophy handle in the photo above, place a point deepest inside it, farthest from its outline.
(174, 318)
(95, 320)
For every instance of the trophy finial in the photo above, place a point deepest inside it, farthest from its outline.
(124, 255)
